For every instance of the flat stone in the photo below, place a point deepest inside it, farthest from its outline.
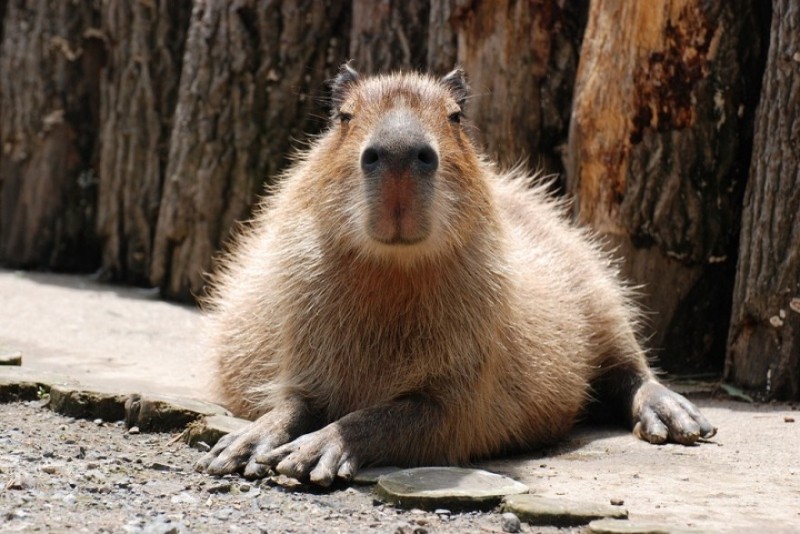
(617, 526)
(453, 488)
(88, 402)
(22, 384)
(211, 428)
(163, 413)
(370, 475)
(13, 358)
(538, 510)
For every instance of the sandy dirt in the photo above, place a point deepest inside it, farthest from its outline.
(57, 473)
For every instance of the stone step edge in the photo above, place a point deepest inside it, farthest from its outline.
(202, 423)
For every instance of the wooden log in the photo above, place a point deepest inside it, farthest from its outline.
(521, 58)
(138, 93)
(252, 74)
(764, 338)
(50, 57)
(658, 152)
(389, 35)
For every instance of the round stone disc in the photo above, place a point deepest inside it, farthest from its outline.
(452, 488)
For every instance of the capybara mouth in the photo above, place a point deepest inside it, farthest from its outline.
(400, 241)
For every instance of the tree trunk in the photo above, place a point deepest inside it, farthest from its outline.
(521, 58)
(389, 35)
(251, 75)
(764, 339)
(521, 54)
(138, 92)
(50, 58)
(658, 153)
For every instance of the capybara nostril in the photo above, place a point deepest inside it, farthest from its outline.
(427, 158)
(370, 159)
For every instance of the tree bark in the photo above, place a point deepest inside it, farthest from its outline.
(521, 58)
(50, 58)
(138, 93)
(389, 35)
(251, 75)
(658, 151)
(764, 339)
(519, 53)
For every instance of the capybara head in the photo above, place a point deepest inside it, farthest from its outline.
(408, 179)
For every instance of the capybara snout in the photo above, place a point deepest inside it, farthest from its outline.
(399, 165)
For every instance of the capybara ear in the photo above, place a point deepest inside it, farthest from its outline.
(456, 81)
(341, 85)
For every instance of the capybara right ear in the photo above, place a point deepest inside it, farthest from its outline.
(341, 85)
(456, 81)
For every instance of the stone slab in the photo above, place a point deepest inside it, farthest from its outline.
(13, 358)
(21, 384)
(163, 413)
(370, 475)
(452, 488)
(545, 511)
(211, 428)
(88, 402)
(617, 526)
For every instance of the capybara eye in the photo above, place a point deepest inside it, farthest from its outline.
(345, 117)
(455, 117)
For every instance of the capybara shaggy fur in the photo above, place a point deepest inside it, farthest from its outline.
(397, 300)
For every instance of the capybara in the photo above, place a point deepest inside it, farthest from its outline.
(397, 300)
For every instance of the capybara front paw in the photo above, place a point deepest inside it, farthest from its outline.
(235, 453)
(660, 415)
(319, 457)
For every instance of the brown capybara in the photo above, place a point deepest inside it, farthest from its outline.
(397, 300)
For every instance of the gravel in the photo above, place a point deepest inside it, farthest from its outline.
(59, 473)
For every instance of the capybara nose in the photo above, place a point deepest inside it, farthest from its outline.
(419, 157)
(399, 145)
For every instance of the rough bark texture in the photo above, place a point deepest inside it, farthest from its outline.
(389, 35)
(521, 58)
(138, 92)
(442, 46)
(50, 58)
(764, 340)
(252, 73)
(658, 155)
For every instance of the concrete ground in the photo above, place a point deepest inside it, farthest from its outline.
(747, 478)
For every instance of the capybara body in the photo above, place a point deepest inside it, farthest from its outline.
(397, 300)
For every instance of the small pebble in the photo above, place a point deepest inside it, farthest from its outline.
(49, 469)
(224, 487)
(98, 422)
(133, 430)
(244, 488)
(788, 419)
(510, 522)
(617, 502)
(16, 484)
(441, 511)
(158, 466)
